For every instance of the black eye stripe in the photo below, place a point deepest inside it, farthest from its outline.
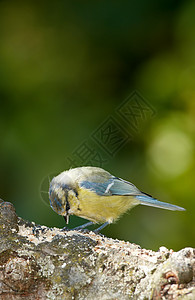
(66, 190)
(75, 193)
(67, 205)
(65, 187)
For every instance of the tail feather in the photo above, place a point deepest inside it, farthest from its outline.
(149, 201)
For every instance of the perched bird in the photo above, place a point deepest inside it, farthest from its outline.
(96, 195)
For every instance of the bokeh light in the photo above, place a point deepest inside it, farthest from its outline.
(65, 68)
(171, 151)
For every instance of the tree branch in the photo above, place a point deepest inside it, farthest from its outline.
(37, 262)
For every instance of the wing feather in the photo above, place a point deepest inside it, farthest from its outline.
(113, 186)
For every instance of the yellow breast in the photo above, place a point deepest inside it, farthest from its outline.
(100, 209)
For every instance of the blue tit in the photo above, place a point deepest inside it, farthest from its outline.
(96, 195)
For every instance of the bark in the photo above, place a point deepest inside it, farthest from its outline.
(37, 262)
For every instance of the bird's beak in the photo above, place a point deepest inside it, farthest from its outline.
(66, 217)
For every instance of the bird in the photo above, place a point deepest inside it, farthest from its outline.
(94, 194)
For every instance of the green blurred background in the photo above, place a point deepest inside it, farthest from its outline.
(64, 69)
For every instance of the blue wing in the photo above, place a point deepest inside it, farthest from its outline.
(117, 186)
(112, 186)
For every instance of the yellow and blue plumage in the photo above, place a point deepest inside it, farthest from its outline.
(96, 195)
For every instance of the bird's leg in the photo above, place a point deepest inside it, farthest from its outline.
(101, 227)
(84, 225)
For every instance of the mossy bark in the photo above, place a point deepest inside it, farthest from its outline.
(37, 262)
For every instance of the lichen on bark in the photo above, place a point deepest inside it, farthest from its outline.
(37, 262)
